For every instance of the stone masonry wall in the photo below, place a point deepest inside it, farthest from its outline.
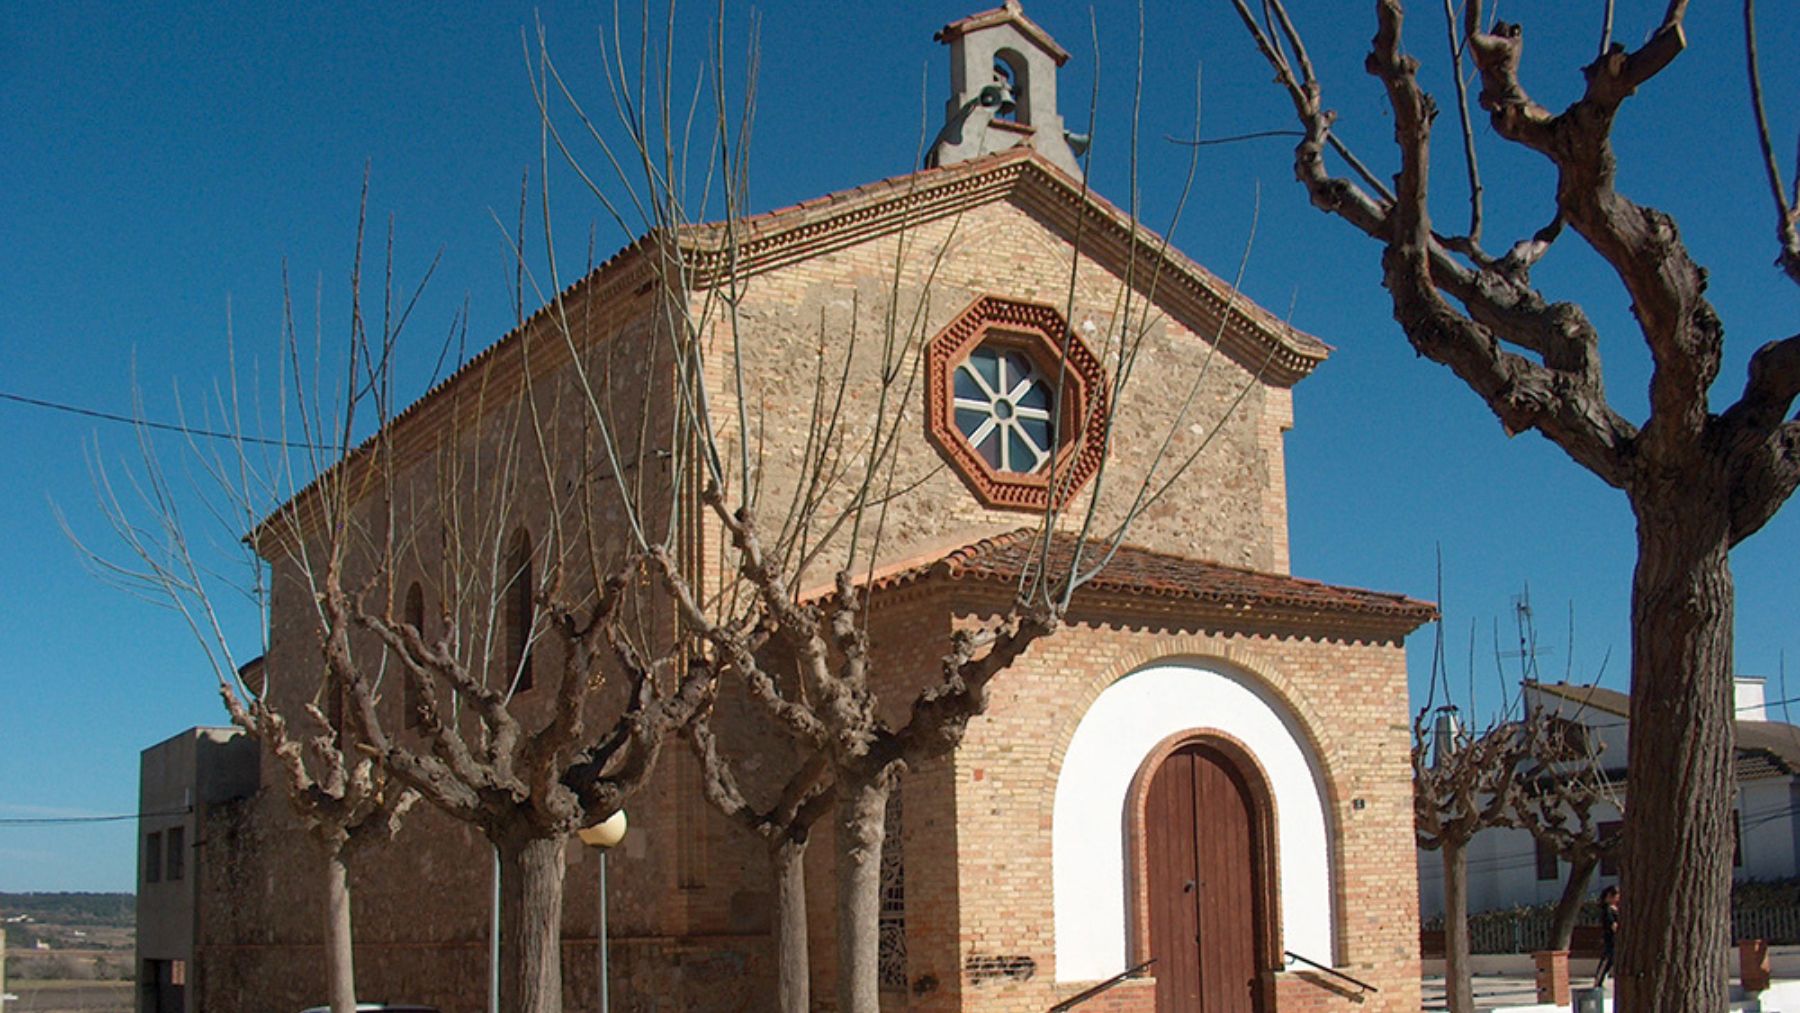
(901, 289)
(686, 930)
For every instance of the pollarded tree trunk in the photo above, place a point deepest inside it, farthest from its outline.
(862, 820)
(531, 901)
(1568, 906)
(1675, 917)
(340, 957)
(793, 989)
(1459, 993)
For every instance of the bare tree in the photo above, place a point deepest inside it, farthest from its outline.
(1462, 784)
(619, 426)
(783, 605)
(1560, 801)
(785, 827)
(1698, 481)
(346, 802)
(525, 763)
(353, 534)
(343, 798)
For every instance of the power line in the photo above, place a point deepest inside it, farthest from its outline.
(51, 821)
(171, 427)
(1205, 142)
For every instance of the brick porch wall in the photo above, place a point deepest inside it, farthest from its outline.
(1347, 695)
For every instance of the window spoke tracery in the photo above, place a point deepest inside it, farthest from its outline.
(1003, 408)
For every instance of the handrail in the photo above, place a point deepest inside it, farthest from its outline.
(1331, 971)
(1112, 982)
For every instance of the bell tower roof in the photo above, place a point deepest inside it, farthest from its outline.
(1003, 91)
(1007, 13)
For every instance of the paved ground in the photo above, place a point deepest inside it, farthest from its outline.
(70, 997)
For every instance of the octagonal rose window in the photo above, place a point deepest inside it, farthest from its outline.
(1016, 402)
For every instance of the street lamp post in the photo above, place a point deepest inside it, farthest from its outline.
(603, 837)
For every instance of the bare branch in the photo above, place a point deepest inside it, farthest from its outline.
(1787, 213)
(1462, 113)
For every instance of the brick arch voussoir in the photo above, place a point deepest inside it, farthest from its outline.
(1316, 732)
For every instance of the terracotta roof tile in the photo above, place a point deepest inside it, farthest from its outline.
(1147, 573)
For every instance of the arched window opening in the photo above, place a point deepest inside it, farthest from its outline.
(517, 609)
(412, 701)
(1013, 74)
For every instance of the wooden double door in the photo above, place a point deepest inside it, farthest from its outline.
(1206, 856)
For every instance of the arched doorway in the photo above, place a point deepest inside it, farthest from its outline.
(1207, 889)
(1117, 744)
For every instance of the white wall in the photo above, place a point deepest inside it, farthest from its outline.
(1114, 738)
(1503, 862)
(1766, 819)
(1502, 873)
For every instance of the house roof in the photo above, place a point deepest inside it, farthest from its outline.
(1767, 749)
(1764, 748)
(712, 253)
(1174, 581)
(1599, 698)
(1008, 12)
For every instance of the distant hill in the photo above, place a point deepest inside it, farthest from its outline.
(99, 909)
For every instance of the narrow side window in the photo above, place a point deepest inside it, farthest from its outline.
(517, 607)
(412, 702)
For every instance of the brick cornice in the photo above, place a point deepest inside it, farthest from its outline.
(1143, 587)
(1259, 341)
(612, 295)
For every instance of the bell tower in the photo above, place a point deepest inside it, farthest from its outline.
(1003, 91)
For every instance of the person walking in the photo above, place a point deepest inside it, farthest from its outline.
(1609, 933)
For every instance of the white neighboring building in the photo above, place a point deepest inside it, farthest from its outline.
(1508, 869)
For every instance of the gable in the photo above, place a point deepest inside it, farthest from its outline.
(1012, 208)
(1251, 335)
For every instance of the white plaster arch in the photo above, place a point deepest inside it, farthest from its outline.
(1128, 720)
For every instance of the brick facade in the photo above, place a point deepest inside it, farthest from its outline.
(690, 894)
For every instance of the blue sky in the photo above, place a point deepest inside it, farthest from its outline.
(163, 162)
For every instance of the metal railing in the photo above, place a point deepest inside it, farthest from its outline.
(1777, 925)
(1334, 972)
(1080, 997)
(1528, 930)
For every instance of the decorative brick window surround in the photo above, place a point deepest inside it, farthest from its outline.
(991, 383)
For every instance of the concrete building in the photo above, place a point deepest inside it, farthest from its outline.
(180, 782)
(1206, 766)
(1508, 868)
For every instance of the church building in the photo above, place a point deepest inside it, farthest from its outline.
(1194, 796)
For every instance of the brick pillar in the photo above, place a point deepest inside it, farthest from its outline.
(1753, 964)
(1552, 976)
